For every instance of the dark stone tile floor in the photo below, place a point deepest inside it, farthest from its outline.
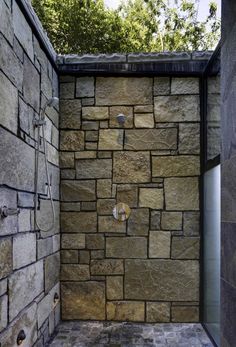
(110, 334)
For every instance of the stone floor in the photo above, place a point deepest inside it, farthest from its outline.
(110, 334)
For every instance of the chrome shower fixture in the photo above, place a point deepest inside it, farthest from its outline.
(120, 119)
(49, 103)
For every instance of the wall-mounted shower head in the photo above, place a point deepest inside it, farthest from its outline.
(52, 102)
(121, 119)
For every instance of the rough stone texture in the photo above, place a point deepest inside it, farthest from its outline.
(77, 190)
(159, 244)
(171, 220)
(95, 241)
(105, 206)
(182, 193)
(46, 305)
(85, 87)
(138, 222)
(144, 120)
(151, 197)
(72, 140)
(127, 194)
(51, 271)
(189, 138)
(189, 314)
(93, 168)
(107, 267)
(187, 85)
(69, 256)
(175, 166)
(155, 220)
(95, 113)
(31, 83)
(104, 188)
(185, 248)
(73, 241)
(76, 222)
(111, 139)
(107, 224)
(19, 282)
(114, 287)
(74, 272)
(85, 300)
(126, 111)
(3, 312)
(125, 311)
(123, 91)
(151, 139)
(166, 280)
(158, 312)
(24, 250)
(6, 26)
(176, 108)
(5, 257)
(131, 167)
(126, 247)
(70, 114)
(191, 223)
(8, 225)
(161, 86)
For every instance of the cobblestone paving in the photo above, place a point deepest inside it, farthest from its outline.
(107, 334)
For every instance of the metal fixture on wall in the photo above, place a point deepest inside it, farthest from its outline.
(7, 211)
(20, 337)
(121, 212)
(121, 119)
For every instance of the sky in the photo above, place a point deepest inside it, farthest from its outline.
(203, 7)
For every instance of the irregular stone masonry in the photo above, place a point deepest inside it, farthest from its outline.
(143, 268)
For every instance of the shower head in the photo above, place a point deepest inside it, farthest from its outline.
(121, 119)
(52, 102)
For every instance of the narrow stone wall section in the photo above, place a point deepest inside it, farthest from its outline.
(145, 268)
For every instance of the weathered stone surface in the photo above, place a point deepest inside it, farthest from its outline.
(67, 90)
(69, 256)
(126, 247)
(44, 247)
(24, 286)
(77, 190)
(86, 155)
(128, 194)
(6, 22)
(126, 311)
(8, 225)
(23, 31)
(73, 241)
(110, 139)
(84, 300)
(76, 222)
(31, 84)
(107, 267)
(161, 86)
(5, 257)
(126, 111)
(131, 167)
(191, 223)
(91, 135)
(185, 247)
(93, 168)
(88, 206)
(104, 188)
(51, 271)
(167, 280)
(25, 199)
(3, 312)
(182, 314)
(123, 90)
(74, 272)
(85, 87)
(159, 244)
(143, 109)
(151, 139)
(70, 114)
(8, 104)
(155, 221)
(189, 138)
(90, 125)
(107, 224)
(28, 320)
(182, 193)
(187, 85)
(24, 220)
(171, 220)
(72, 140)
(158, 312)
(114, 287)
(70, 206)
(95, 113)
(151, 197)
(68, 174)
(84, 257)
(138, 222)
(175, 166)
(46, 305)
(144, 120)
(183, 108)
(105, 206)
(95, 241)
(24, 250)
(3, 286)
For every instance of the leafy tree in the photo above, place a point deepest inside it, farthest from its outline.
(87, 26)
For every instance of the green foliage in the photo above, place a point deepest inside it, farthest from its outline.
(87, 26)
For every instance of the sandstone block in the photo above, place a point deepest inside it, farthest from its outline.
(164, 280)
(126, 111)
(84, 257)
(69, 256)
(171, 220)
(85, 87)
(138, 222)
(111, 139)
(155, 221)
(107, 224)
(161, 86)
(159, 244)
(131, 167)
(182, 314)
(144, 120)
(105, 206)
(73, 241)
(123, 90)
(104, 188)
(182, 193)
(77, 190)
(151, 139)
(77, 222)
(70, 206)
(185, 248)
(176, 108)
(128, 194)
(86, 155)
(5, 257)
(107, 267)
(24, 250)
(143, 109)
(95, 113)
(46, 306)
(151, 197)
(51, 271)
(95, 241)
(114, 287)
(125, 311)
(67, 90)
(93, 168)
(75, 272)
(187, 85)
(83, 300)
(158, 312)
(175, 166)
(72, 140)
(126, 247)
(191, 223)
(70, 114)
(189, 138)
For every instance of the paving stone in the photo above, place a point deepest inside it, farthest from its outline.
(125, 311)
(159, 244)
(76, 222)
(126, 247)
(158, 312)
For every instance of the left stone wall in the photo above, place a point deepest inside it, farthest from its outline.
(29, 258)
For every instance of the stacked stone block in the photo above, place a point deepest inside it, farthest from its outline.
(146, 268)
(29, 258)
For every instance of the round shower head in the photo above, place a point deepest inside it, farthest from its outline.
(53, 102)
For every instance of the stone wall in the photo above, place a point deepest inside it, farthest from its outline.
(147, 268)
(29, 259)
